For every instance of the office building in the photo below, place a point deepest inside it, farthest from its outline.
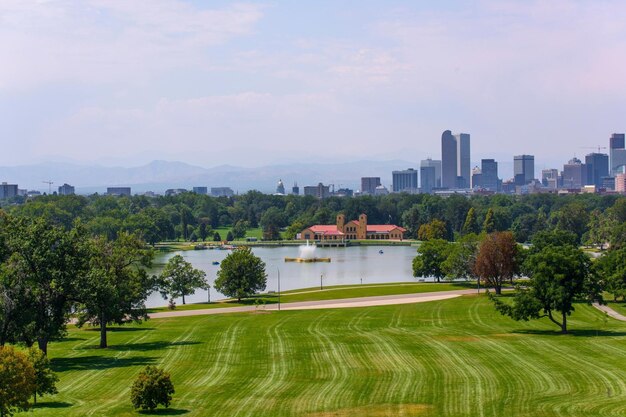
(620, 183)
(8, 190)
(369, 184)
(170, 192)
(477, 177)
(428, 179)
(201, 190)
(550, 178)
(66, 189)
(280, 187)
(523, 169)
(381, 190)
(597, 168)
(489, 175)
(222, 192)
(574, 174)
(118, 191)
(617, 153)
(318, 191)
(455, 160)
(295, 190)
(405, 181)
(428, 162)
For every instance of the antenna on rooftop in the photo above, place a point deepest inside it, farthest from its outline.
(49, 182)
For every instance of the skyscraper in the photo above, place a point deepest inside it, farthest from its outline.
(455, 160)
(428, 179)
(597, 168)
(574, 174)
(523, 169)
(369, 184)
(489, 178)
(405, 181)
(617, 153)
(428, 162)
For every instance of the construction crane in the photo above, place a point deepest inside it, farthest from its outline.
(594, 147)
(49, 182)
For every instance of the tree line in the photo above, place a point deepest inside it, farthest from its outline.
(195, 217)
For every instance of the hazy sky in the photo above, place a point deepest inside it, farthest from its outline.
(217, 82)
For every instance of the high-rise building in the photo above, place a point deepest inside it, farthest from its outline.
(320, 190)
(455, 160)
(489, 175)
(119, 191)
(574, 174)
(66, 189)
(477, 177)
(428, 179)
(201, 190)
(620, 183)
(280, 187)
(617, 153)
(8, 190)
(405, 181)
(222, 192)
(550, 178)
(523, 169)
(597, 168)
(295, 190)
(369, 184)
(428, 162)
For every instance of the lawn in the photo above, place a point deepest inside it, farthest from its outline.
(331, 293)
(447, 358)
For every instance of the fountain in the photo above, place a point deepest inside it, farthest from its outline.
(307, 254)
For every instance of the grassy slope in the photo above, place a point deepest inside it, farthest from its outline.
(450, 358)
(332, 293)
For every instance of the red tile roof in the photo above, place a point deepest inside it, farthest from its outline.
(325, 229)
(383, 228)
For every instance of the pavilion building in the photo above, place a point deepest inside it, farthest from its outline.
(354, 229)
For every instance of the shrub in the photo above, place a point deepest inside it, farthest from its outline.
(151, 388)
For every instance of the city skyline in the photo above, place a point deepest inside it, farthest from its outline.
(258, 84)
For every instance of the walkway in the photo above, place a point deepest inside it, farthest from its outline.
(321, 304)
(610, 312)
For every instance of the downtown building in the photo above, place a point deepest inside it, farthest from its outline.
(523, 169)
(617, 154)
(405, 181)
(455, 160)
(369, 184)
(430, 175)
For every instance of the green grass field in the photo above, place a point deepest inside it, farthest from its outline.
(331, 293)
(449, 358)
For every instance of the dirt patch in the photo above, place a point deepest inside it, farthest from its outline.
(382, 410)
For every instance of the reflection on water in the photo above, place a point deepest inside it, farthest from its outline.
(348, 266)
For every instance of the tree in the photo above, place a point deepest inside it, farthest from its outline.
(117, 285)
(436, 229)
(600, 228)
(217, 237)
(496, 260)
(46, 264)
(271, 221)
(471, 223)
(558, 276)
(240, 228)
(241, 274)
(430, 257)
(17, 381)
(229, 236)
(611, 269)
(179, 278)
(45, 378)
(153, 387)
(489, 225)
(461, 258)
(545, 238)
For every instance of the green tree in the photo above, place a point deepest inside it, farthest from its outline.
(46, 263)
(230, 237)
(600, 228)
(241, 274)
(240, 228)
(559, 275)
(179, 278)
(45, 378)
(153, 387)
(471, 223)
(496, 260)
(611, 269)
(271, 222)
(430, 256)
(489, 225)
(17, 381)
(117, 285)
(436, 229)
(461, 258)
(217, 237)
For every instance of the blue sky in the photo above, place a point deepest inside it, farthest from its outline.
(209, 83)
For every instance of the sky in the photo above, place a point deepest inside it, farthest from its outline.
(250, 84)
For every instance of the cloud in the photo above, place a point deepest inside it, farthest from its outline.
(97, 41)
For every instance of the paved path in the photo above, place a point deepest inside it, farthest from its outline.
(610, 312)
(381, 300)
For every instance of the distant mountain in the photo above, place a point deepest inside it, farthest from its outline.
(157, 176)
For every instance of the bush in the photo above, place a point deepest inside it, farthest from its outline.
(17, 381)
(152, 387)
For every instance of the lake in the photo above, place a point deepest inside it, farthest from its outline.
(348, 266)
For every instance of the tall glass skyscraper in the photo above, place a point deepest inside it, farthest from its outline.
(455, 160)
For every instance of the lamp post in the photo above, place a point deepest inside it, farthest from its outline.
(209, 292)
(321, 287)
(278, 269)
